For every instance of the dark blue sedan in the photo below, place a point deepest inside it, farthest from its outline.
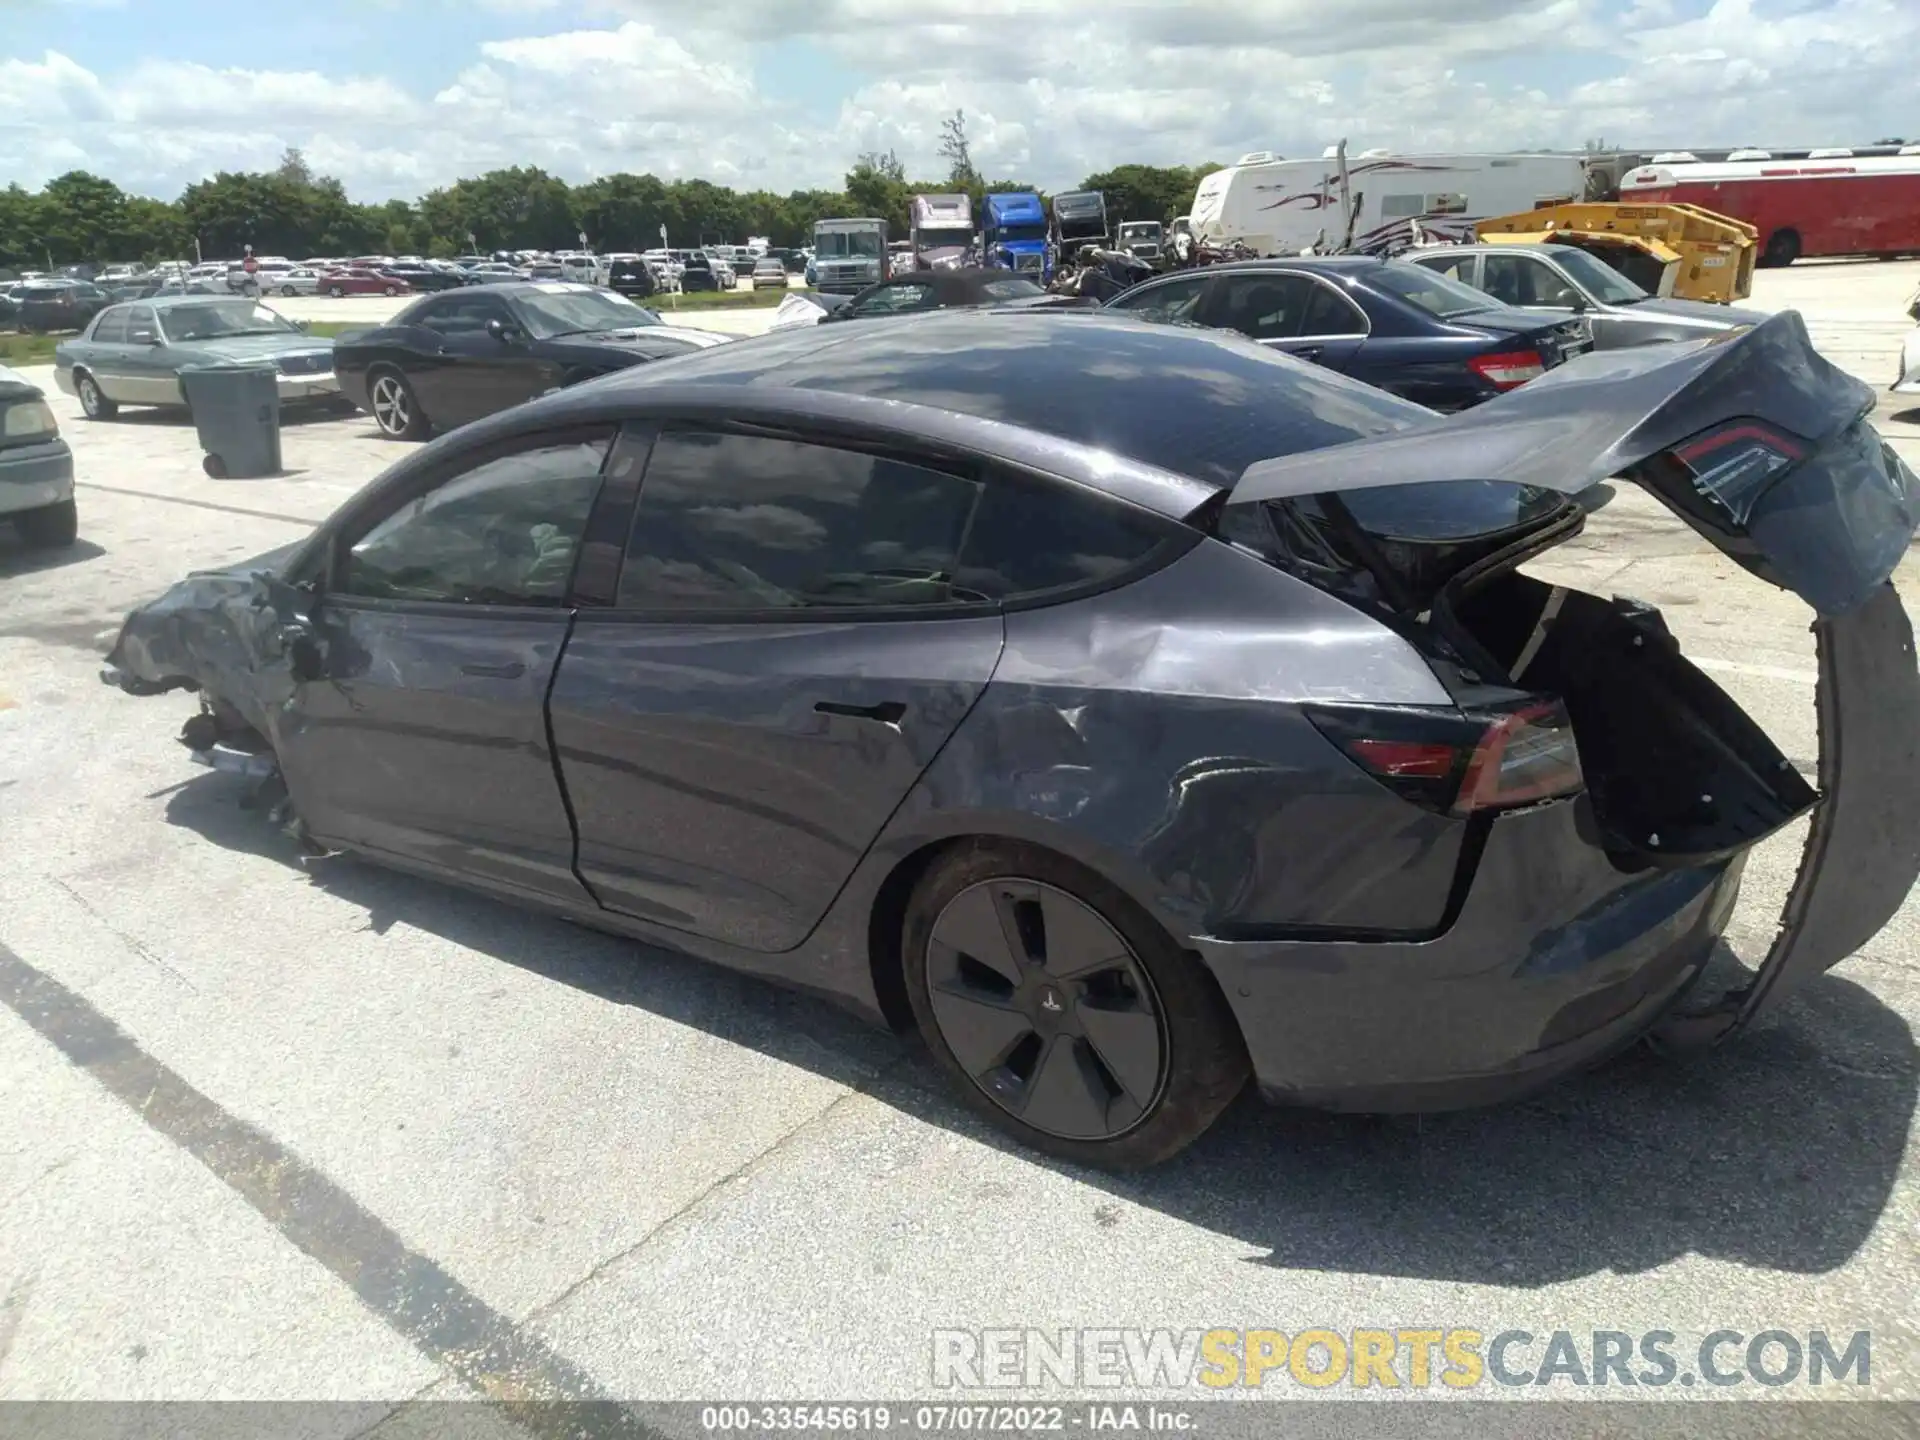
(1389, 323)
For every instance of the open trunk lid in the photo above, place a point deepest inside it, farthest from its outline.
(1762, 446)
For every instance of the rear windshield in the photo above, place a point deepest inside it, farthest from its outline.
(1435, 294)
(1449, 509)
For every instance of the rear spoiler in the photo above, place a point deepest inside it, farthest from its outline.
(1591, 419)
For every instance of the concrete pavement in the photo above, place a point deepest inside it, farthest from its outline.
(441, 1147)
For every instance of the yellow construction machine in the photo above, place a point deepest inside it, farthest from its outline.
(1678, 250)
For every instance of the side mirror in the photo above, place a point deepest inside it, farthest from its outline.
(303, 324)
(501, 331)
(1580, 305)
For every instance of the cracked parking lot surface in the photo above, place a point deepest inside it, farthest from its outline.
(321, 1131)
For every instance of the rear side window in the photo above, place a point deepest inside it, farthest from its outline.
(111, 328)
(731, 523)
(746, 522)
(1432, 293)
(1033, 538)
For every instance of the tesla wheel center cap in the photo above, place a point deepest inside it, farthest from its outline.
(1052, 1002)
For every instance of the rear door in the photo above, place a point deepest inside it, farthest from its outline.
(421, 733)
(1289, 311)
(787, 650)
(104, 353)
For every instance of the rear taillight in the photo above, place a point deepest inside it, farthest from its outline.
(1456, 762)
(1525, 755)
(1509, 369)
(1734, 464)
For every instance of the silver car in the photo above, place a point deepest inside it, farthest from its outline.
(1560, 279)
(133, 353)
(36, 467)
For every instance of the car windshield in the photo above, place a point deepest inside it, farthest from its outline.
(218, 320)
(1435, 294)
(837, 245)
(1599, 279)
(573, 312)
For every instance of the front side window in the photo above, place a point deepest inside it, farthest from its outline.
(463, 315)
(502, 533)
(1526, 280)
(740, 522)
(1175, 302)
(1454, 267)
(1603, 282)
(892, 299)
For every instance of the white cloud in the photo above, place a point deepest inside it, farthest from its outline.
(1052, 89)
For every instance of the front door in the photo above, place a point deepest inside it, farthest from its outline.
(788, 652)
(480, 372)
(422, 733)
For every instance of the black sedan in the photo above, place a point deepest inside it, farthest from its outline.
(451, 358)
(427, 278)
(1389, 323)
(1126, 707)
(944, 289)
(49, 305)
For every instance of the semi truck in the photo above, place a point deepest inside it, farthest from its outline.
(849, 254)
(1079, 218)
(942, 230)
(1143, 239)
(1015, 234)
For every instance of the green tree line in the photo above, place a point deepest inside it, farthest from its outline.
(292, 211)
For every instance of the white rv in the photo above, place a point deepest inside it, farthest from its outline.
(1281, 207)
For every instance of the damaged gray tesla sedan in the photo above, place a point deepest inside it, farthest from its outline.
(1127, 708)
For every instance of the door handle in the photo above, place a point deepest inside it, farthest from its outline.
(887, 712)
(513, 670)
(1309, 352)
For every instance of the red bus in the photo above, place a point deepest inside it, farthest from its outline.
(1864, 206)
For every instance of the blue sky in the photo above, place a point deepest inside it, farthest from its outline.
(396, 96)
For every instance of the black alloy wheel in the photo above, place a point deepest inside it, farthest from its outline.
(1066, 1014)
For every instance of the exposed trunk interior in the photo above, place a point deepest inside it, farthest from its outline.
(1678, 773)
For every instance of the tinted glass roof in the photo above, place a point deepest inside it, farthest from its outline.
(1204, 403)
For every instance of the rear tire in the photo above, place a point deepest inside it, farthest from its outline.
(335, 291)
(51, 527)
(1783, 248)
(1111, 1046)
(396, 410)
(93, 403)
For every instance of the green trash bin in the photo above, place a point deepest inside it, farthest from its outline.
(236, 410)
